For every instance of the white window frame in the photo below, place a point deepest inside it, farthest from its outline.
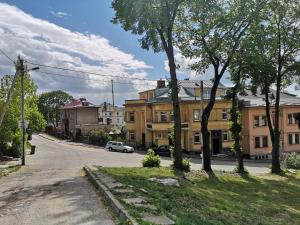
(194, 115)
(224, 113)
(227, 134)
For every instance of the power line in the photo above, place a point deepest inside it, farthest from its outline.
(86, 72)
(84, 78)
(3, 53)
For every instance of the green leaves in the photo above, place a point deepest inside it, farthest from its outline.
(49, 104)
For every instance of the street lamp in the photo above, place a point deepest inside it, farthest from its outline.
(22, 72)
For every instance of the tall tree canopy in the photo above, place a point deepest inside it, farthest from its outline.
(211, 31)
(154, 21)
(49, 104)
(275, 63)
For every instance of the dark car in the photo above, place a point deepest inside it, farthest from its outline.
(163, 150)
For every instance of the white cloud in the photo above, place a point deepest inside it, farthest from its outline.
(43, 42)
(184, 70)
(60, 14)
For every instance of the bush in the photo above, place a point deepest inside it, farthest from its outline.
(292, 160)
(99, 138)
(151, 160)
(186, 165)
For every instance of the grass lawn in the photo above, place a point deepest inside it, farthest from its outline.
(5, 172)
(224, 199)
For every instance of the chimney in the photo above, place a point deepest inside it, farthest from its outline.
(161, 84)
(82, 99)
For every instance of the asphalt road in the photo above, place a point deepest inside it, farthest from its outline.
(50, 189)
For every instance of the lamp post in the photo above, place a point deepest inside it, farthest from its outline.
(22, 71)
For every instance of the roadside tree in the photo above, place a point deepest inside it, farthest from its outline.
(154, 22)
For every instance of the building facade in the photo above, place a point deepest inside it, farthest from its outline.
(256, 136)
(79, 117)
(111, 115)
(149, 119)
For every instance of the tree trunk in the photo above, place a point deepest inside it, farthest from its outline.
(206, 159)
(236, 127)
(276, 143)
(176, 111)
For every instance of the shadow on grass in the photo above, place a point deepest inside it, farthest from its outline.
(219, 199)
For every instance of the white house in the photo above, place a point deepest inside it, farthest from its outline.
(111, 115)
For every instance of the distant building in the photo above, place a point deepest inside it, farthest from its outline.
(111, 115)
(79, 117)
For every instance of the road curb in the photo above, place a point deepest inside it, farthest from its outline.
(117, 208)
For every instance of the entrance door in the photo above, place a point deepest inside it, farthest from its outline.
(143, 140)
(216, 141)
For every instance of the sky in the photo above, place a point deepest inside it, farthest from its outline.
(79, 35)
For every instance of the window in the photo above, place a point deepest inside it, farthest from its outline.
(290, 139)
(100, 120)
(197, 115)
(163, 117)
(224, 114)
(223, 92)
(296, 118)
(117, 113)
(131, 135)
(265, 141)
(171, 117)
(257, 142)
(264, 121)
(290, 119)
(110, 114)
(256, 121)
(206, 94)
(131, 117)
(197, 138)
(297, 141)
(225, 136)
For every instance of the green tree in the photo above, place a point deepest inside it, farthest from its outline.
(10, 131)
(49, 104)
(211, 31)
(238, 74)
(276, 46)
(154, 22)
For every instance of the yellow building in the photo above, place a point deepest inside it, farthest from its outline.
(149, 118)
(256, 136)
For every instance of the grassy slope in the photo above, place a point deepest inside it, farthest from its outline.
(11, 169)
(225, 199)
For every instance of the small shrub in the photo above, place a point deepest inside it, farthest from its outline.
(292, 160)
(151, 160)
(186, 165)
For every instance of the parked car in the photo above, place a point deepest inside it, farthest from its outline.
(163, 150)
(118, 146)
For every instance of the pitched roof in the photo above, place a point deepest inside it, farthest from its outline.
(75, 103)
(252, 100)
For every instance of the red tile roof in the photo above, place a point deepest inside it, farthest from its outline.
(78, 103)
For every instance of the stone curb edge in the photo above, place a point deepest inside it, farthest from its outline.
(117, 208)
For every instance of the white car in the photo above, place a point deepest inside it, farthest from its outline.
(118, 146)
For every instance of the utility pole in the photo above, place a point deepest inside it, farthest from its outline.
(113, 95)
(22, 71)
(6, 104)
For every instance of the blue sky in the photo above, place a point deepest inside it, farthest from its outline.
(78, 35)
(93, 16)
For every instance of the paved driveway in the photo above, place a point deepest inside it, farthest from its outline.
(51, 190)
